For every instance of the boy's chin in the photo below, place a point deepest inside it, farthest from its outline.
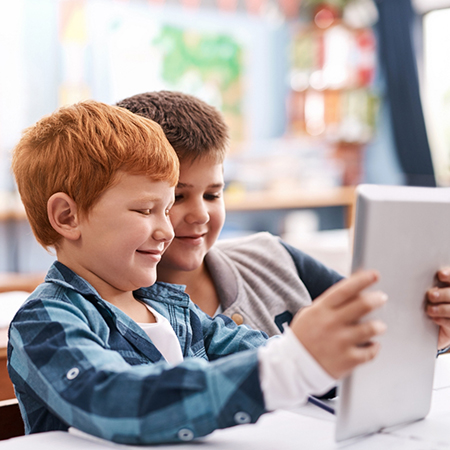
(148, 281)
(181, 266)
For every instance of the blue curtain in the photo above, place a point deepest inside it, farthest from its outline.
(398, 62)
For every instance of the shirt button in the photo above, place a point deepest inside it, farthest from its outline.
(242, 417)
(238, 319)
(185, 434)
(72, 373)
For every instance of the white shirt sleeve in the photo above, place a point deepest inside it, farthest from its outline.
(289, 374)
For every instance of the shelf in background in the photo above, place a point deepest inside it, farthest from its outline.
(298, 199)
(12, 215)
(27, 282)
(248, 201)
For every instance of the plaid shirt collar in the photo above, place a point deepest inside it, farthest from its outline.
(172, 294)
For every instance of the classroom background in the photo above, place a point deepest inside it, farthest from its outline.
(320, 96)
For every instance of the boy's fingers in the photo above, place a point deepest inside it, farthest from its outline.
(357, 355)
(444, 275)
(439, 310)
(361, 305)
(441, 321)
(365, 353)
(439, 295)
(346, 289)
(362, 333)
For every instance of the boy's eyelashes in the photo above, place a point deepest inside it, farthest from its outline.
(147, 212)
(212, 196)
(209, 197)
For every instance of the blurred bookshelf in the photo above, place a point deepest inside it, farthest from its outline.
(299, 199)
(332, 97)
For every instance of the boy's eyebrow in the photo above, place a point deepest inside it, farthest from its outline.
(213, 186)
(147, 198)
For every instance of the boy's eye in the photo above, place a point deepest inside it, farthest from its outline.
(178, 197)
(211, 196)
(145, 212)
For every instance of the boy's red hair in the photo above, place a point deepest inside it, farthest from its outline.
(78, 150)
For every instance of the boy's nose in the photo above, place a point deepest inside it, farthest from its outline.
(164, 232)
(198, 214)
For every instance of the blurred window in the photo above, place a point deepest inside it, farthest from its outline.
(436, 90)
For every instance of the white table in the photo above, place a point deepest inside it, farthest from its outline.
(308, 428)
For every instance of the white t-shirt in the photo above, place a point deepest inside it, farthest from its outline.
(163, 337)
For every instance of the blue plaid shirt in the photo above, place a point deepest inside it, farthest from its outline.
(77, 360)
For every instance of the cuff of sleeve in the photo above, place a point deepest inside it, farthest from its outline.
(289, 374)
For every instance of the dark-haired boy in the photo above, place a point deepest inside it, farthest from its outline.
(258, 280)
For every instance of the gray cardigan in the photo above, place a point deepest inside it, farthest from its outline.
(262, 281)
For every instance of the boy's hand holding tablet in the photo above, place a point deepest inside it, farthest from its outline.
(337, 314)
(438, 308)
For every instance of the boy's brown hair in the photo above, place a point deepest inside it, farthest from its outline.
(78, 150)
(194, 128)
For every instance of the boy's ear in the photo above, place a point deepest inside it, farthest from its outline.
(63, 215)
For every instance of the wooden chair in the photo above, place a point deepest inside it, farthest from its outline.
(6, 387)
(13, 282)
(11, 423)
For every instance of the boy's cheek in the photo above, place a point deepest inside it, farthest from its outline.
(175, 216)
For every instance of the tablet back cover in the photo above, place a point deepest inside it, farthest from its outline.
(404, 233)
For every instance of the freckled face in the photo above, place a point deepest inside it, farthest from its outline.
(197, 215)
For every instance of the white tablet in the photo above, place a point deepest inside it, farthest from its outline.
(404, 233)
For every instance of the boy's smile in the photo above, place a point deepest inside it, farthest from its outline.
(197, 216)
(124, 236)
(196, 239)
(154, 255)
